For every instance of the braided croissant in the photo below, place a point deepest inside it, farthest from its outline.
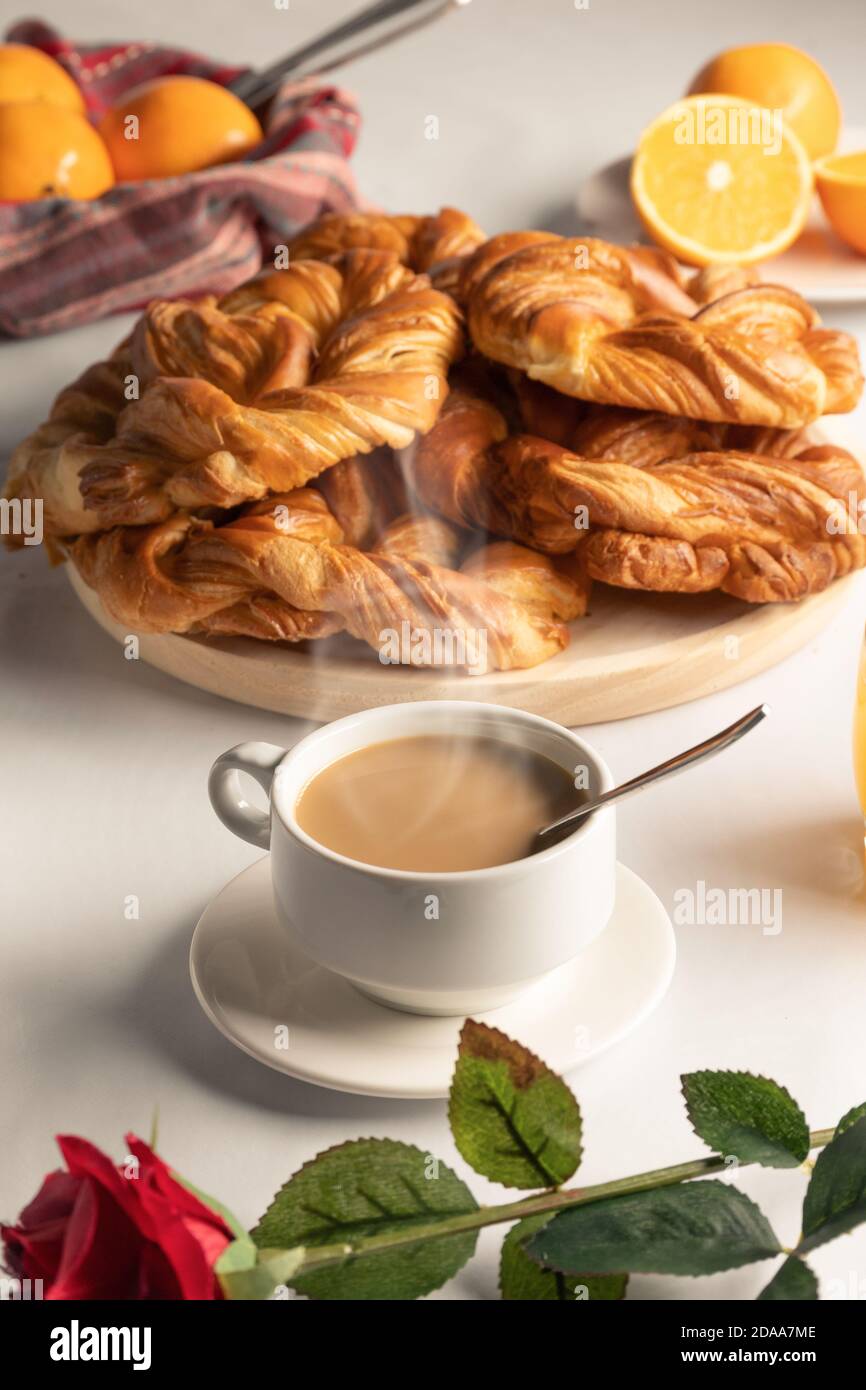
(436, 245)
(280, 570)
(613, 325)
(365, 495)
(638, 437)
(48, 463)
(259, 391)
(267, 616)
(759, 527)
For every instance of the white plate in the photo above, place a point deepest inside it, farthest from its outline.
(260, 990)
(819, 266)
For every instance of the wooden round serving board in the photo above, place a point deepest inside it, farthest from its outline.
(634, 653)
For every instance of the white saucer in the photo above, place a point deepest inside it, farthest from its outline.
(252, 981)
(819, 266)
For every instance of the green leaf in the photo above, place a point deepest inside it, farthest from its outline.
(750, 1117)
(247, 1273)
(850, 1118)
(836, 1196)
(513, 1119)
(793, 1283)
(241, 1254)
(691, 1228)
(521, 1278)
(365, 1188)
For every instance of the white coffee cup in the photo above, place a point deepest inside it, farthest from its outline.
(429, 943)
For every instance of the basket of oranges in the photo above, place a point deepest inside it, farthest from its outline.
(133, 170)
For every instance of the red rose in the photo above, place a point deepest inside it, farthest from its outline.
(92, 1232)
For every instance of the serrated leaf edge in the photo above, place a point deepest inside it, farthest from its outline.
(752, 1076)
(801, 1247)
(543, 1069)
(789, 1257)
(549, 1215)
(728, 1186)
(337, 1148)
(584, 1274)
(850, 1118)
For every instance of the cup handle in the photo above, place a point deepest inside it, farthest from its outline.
(260, 761)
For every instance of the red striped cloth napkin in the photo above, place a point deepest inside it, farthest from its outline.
(64, 263)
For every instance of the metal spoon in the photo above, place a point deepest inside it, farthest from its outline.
(707, 749)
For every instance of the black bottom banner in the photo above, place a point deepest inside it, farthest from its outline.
(69, 1339)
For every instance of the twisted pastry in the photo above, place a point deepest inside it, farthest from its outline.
(646, 437)
(762, 530)
(257, 392)
(759, 527)
(615, 326)
(416, 537)
(284, 558)
(48, 463)
(638, 437)
(267, 616)
(365, 494)
(435, 245)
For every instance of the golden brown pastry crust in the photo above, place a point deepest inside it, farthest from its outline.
(436, 246)
(672, 455)
(766, 528)
(258, 392)
(760, 529)
(48, 463)
(287, 554)
(365, 494)
(638, 437)
(645, 437)
(611, 325)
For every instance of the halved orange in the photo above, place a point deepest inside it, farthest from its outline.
(841, 180)
(716, 179)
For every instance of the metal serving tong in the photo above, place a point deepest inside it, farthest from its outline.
(255, 88)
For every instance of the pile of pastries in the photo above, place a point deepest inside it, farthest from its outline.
(408, 423)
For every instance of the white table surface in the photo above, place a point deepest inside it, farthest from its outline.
(104, 760)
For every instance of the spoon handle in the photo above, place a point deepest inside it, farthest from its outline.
(707, 749)
(255, 88)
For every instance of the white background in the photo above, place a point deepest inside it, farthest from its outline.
(104, 760)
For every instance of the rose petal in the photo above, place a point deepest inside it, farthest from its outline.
(93, 1233)
(101, 1249)
(164, 1181)
(156, 1277)
(34, 1246)
(52, 1202)
(188, 1258)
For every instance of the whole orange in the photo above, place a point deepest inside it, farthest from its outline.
(46, 151)
(174, 125)
(26, 74)
(783, 78)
